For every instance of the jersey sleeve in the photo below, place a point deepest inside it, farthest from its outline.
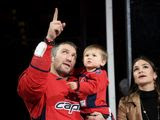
(32, 83)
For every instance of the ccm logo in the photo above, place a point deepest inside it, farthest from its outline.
(68, 106)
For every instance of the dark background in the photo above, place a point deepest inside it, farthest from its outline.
(25, 23)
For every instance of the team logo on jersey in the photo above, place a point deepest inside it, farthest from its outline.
(68, 106)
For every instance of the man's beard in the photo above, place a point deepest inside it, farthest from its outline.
(62, 72)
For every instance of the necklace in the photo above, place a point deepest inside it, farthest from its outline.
(145, 112)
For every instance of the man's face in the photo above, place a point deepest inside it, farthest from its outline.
(64, 60)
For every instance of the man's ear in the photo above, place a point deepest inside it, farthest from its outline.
(52, 59)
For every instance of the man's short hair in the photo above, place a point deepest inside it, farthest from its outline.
(56, 47)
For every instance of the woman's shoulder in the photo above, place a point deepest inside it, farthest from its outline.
(130, 98)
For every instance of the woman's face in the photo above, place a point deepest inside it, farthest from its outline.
(144, 75)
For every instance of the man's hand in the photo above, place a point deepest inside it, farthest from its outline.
(95, 116)
(55, 27)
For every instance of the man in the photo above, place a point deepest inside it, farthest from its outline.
(43, 85)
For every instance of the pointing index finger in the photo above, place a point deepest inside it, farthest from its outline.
(55, 16)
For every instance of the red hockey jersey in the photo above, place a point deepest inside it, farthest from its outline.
(91, 90)
(45, 94)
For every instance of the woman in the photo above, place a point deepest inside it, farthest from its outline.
(143, 101)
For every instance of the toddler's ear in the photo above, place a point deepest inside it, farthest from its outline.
(103, 62)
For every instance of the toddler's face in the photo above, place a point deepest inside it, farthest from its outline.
(92, 59)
